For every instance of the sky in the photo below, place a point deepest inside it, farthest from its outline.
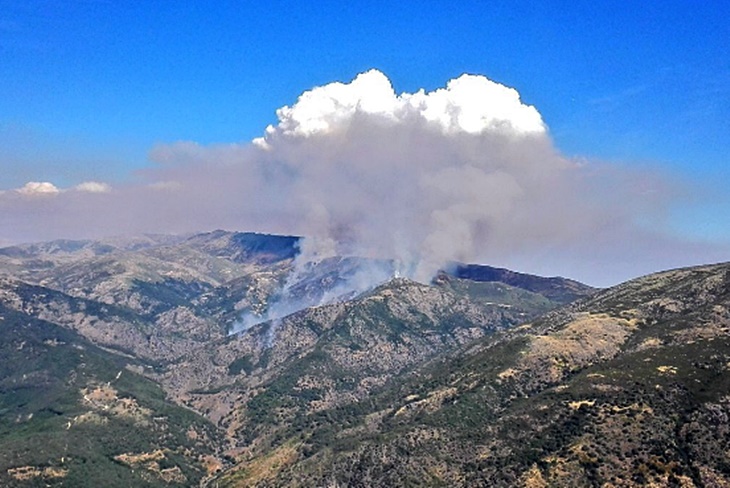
(102, 97)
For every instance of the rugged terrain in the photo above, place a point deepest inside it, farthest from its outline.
(220, 359)
(76, 414)
(134, 335)
(630, 387)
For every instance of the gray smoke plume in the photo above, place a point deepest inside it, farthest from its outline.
(317, 279)
(467, 172)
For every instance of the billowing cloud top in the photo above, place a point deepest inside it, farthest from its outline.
(469, 104)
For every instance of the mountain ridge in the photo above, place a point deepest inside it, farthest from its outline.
(614, 390)
(511, 379)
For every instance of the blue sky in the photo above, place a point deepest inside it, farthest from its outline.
(617, 80)
(87, 88)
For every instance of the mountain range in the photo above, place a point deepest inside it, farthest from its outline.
(218, 359)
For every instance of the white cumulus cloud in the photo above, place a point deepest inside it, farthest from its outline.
(469, 104)
(38, 188)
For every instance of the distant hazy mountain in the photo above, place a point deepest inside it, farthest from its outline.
(558, 289)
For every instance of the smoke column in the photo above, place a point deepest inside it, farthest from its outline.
(315, 281)
(467, 172)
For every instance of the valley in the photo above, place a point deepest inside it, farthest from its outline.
(218, 359)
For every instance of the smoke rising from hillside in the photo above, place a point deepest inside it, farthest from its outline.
(422, 178)
(315, 281)
(467, 172)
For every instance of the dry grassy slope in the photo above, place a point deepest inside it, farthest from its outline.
(628, 388)
(168, 301)
(172, 295)
(272, 376)
(158, 339)
(144, 278)
(72, 414)
(155, 296)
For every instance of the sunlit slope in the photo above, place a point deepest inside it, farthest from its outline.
(628, 388)
(72, 414)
